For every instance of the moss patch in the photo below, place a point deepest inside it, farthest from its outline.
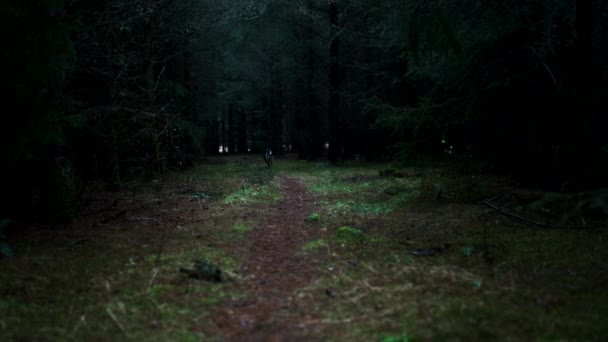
(242, 228)
(348, 235)
(262, 194)
(314, 245)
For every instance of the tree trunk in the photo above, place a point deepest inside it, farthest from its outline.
(230, 143)
(335, 143)
(242, 133)
(223, 140)
(212, 139)
(589, 134)
(314, 137)
(149, 60)
(277, 120)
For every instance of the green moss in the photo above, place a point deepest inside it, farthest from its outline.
(349, 234)
(314, 217)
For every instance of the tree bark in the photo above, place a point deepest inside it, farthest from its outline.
(584, 32)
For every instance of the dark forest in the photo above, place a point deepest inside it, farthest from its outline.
(277, 170)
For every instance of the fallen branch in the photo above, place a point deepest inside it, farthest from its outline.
(496, 197)
(532, 222)
(77, 242)
(134, 218)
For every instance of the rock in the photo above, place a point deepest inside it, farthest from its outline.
(204, 270)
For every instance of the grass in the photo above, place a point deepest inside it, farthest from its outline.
(119, 281)
(491, 278)
(360, 191)
(95, 296)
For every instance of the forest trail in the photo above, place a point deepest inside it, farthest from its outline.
(291, 274)
(273, 270)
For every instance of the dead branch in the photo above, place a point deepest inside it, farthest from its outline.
(101, 210)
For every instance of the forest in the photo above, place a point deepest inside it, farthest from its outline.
(437, 170)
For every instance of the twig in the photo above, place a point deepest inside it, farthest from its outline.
(542, 61)
(128, 110)
(115, 319)
(154, 274)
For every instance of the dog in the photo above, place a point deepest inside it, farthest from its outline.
(268, 157)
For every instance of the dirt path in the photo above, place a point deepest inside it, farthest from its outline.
(274, 269)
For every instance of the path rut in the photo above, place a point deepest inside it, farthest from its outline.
(274, 269)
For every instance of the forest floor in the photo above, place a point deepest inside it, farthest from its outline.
(309, 251)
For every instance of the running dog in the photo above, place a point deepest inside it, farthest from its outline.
(268, 158)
